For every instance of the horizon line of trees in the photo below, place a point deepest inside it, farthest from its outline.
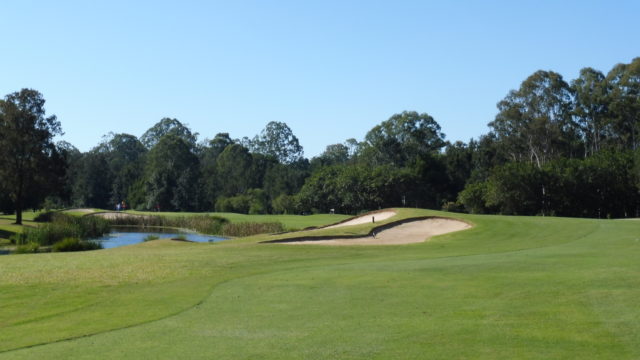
(554, 148)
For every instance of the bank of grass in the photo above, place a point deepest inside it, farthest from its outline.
(511, 287)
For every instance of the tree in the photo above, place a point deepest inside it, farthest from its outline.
(333, 155)
(401, 139)
(218, 144)
(277, 140)
(26, 144)
(458, 161)
(285, 178)
(352, 188)
(591, 108)
(172, 173)
(623, 88)
(168, 126)
(208, 167)
(534, 122)
(125, 157)
(514, 189)
(234, 170)
(92, 181)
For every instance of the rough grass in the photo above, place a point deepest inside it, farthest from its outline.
(250, 228)
(511, 287)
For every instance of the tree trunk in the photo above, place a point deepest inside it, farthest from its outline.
(19, 200)
(19, 211)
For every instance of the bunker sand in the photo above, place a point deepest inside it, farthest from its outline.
(112, 215)
(406, 233)
(364, 219)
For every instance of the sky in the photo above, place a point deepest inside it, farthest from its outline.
(331, 70)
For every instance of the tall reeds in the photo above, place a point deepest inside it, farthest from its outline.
(63, 226)
(204, 224)
(251, 228)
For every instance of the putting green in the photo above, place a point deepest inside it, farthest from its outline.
(511, 287)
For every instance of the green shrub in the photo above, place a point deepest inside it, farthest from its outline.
(223, 204)
(285, 204)
(28, 248)
(451, 206)
(151, 238)
(17, 238)
(253, 201)
(473, 198)
(75, 244)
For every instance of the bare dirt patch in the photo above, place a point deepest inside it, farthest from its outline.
(405, 233)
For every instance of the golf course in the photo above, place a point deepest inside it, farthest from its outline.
(506, 287)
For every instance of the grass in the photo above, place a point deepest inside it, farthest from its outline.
(7, 226)
(511, 287)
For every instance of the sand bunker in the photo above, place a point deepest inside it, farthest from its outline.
(364, 219)
(116, 215)
(406, 233)
(83, 210)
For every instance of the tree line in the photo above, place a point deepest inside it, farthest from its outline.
(554, 148)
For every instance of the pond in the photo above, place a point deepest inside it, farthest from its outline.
(122, 236)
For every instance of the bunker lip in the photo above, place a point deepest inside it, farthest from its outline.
(405, 231)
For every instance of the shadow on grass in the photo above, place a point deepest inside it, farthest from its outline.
(5, 234)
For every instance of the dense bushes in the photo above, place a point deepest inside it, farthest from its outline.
(352, 188)
(603, 185)
(285, 204)
(253, 201)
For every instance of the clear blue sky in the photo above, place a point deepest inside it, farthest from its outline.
(330, 69)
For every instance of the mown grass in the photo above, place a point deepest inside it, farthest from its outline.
(8, 226)
(511, 287)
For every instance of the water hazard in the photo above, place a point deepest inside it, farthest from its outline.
(121, 237)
